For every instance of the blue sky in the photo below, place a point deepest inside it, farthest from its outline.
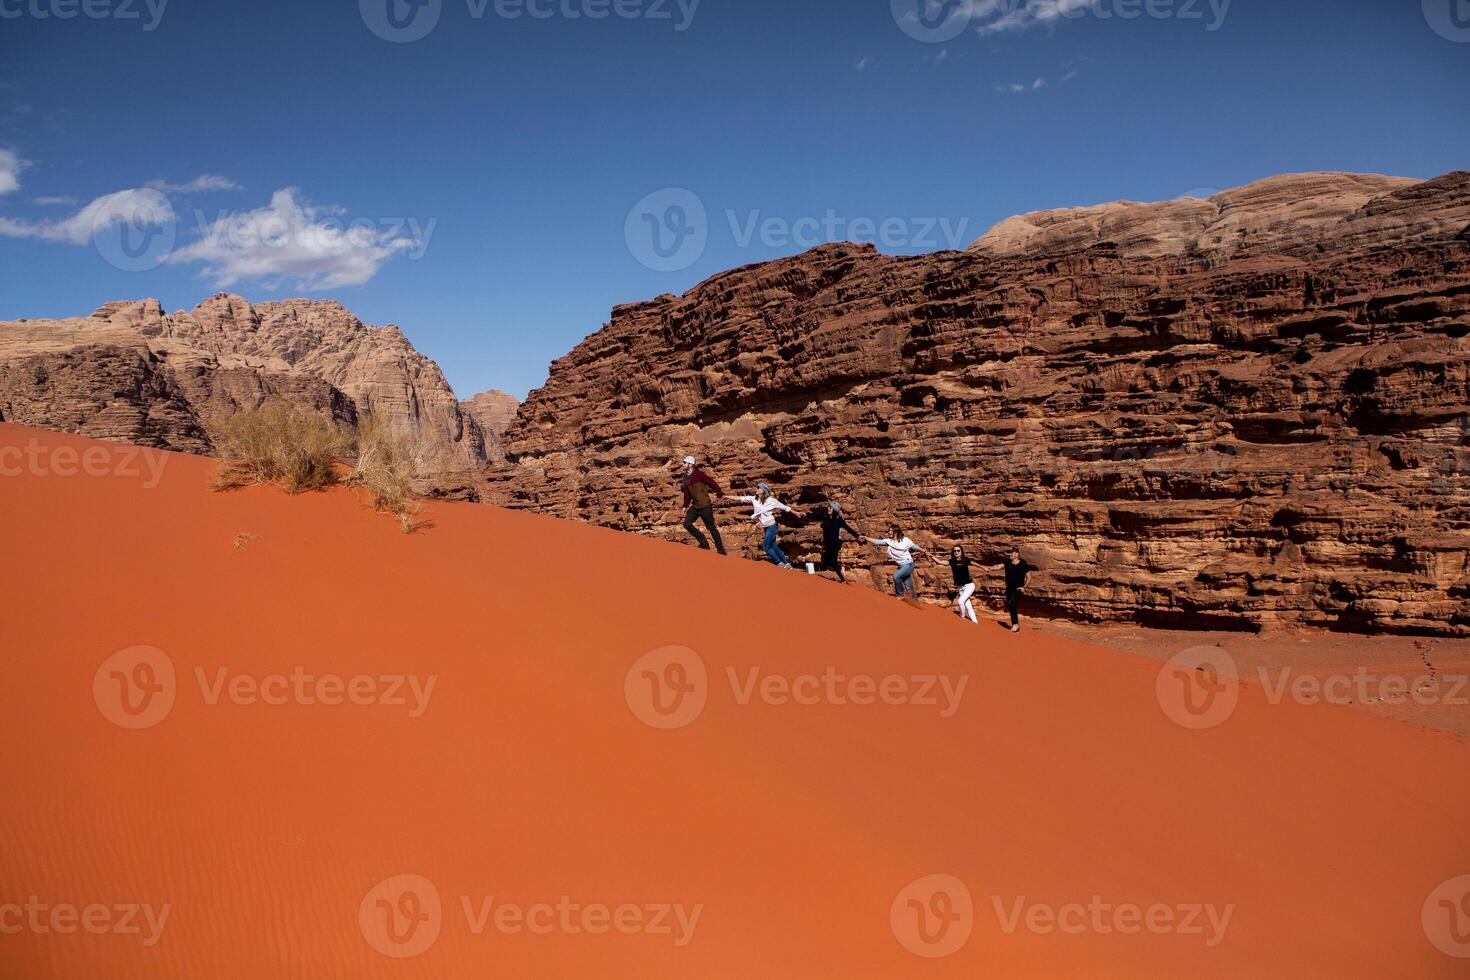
(502, 175)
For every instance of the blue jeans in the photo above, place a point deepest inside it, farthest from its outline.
(771, 548)
(903, 580)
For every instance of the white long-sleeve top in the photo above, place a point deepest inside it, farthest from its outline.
(899, 552)
(764, 511)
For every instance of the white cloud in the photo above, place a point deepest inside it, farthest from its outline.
(1073, 69)
(285, 242)
(50, 200)
(288, 242)
(862, 64)
(10, 168)
(139, 206)
(204, 182)
(998, 16)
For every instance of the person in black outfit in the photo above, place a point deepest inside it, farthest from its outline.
(1017, 568)
(833, 524)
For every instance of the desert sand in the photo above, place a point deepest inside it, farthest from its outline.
(520, 772)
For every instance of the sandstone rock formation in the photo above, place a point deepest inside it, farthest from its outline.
(132, 372)
(1285, 214)
(494, 410)
(1242, 413)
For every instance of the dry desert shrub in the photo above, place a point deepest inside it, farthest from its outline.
(277, 443)
(391, 462)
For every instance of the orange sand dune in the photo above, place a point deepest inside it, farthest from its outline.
(551, 830)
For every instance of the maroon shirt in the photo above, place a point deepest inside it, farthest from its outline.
(701, 478)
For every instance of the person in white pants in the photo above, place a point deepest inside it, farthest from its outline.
(959, 566)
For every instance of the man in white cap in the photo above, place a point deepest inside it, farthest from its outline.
(700, 494)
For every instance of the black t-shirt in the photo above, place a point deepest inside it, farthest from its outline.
(1016, 573)
(832, 525)
(961, 569)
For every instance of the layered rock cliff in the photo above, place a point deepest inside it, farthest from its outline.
(494, 410)
(1250, 412)
(134, 373)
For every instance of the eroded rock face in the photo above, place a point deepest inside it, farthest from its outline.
(1211, 430)
(494, 410)
(1278, 215)
(131, 372)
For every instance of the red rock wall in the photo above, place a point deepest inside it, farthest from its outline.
(1262, 435)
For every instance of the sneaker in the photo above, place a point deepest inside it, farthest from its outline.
(786, 565)
(1015, 629)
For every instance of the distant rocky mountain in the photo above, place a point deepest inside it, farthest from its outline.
(494, 410)
(1243, 412)
(1292, 214)
(134, 373)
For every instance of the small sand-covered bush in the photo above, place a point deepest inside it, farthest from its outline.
(391, 462)
(279, 443)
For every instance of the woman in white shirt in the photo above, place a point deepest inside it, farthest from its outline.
(901, 551)
(764, 508)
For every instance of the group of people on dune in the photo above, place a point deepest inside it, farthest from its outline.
(702, 494)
